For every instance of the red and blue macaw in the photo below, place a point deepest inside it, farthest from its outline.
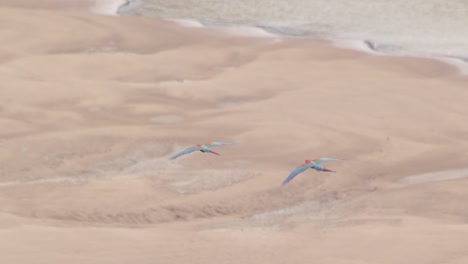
(202, 148)
(309, 164)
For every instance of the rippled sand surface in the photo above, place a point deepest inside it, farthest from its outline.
(92, 107)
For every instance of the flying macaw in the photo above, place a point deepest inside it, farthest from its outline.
(312, 164)
(201, 147)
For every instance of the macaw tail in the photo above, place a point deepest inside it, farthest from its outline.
(216, 153)
(328, 170)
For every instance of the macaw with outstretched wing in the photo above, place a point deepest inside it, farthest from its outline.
(202, 148)
(309, 164)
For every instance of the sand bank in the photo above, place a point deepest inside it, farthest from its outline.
(92, 107)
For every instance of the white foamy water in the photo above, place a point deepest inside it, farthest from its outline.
(403, 27)
(108, 7)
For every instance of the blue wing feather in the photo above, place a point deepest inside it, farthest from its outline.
(325, 160)
(294, 173)
(185, 151)
(217, 143)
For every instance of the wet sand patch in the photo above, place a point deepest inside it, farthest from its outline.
(164, 119)
(436, 176)
(196, 181)
(233, 102)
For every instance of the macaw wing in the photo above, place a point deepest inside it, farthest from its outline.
(185, 151)
(217, 143)
(325, 160)
(294, 173)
